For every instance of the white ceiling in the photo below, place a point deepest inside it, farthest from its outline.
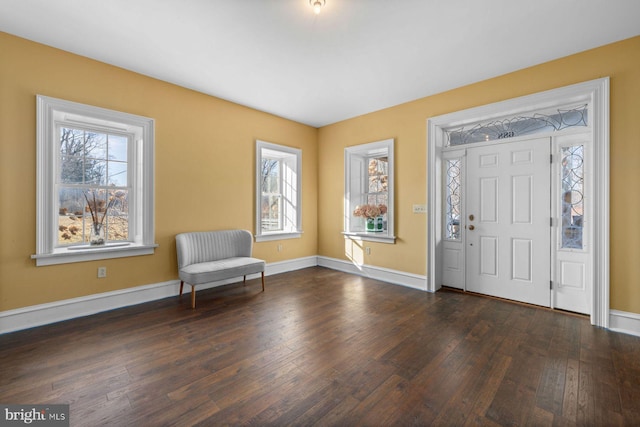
(357, 56)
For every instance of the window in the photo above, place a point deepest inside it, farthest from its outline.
(278, 192)
(453, 199)
(541, 121)
(368, 198)
(572, 196)
(95, 183)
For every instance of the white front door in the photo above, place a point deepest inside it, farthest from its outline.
(508, 247)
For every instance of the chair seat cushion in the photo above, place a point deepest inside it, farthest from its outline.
(211, 271)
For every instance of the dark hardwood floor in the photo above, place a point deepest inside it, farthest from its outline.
(320, 347)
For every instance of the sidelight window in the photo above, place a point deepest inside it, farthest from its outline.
(572, 196)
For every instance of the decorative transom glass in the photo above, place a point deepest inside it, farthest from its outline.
(538, 122)
(452, 200)
(572, 197)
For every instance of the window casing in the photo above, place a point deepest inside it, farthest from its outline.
(278, 192)
(93, 163)
(369, 180)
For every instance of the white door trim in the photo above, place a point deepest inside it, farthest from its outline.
(596, 94)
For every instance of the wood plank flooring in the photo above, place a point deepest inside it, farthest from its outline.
(320, 347)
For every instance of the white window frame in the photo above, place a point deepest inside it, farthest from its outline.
(291, 191)
(355, 188)
(51, 113)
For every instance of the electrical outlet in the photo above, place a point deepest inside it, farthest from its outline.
(102, 272)
(368, 250)
(419, 208)
(280, 247)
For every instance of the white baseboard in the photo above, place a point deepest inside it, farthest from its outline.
(625, 322)
(291, 265)
(44, 314)
(410, 280)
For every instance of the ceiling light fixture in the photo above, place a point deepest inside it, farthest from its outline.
(317, 5)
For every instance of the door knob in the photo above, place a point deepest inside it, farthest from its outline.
(471, 227)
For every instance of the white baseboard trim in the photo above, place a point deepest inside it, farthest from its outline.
(396, 277)
(44, 314)
(291, 265)
(625, 322)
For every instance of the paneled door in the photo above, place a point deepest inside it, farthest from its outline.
(508, 230)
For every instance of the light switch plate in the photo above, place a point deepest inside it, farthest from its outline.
(420, 209)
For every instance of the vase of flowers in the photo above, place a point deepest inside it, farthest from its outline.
(372, 215)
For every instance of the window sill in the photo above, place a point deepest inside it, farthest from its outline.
(81, 254)
(278, 236)
(370, 237)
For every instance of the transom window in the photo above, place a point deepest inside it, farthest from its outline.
(278, 191)
(551, 120)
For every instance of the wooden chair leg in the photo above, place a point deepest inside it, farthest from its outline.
(193, 296)
(244, 280)
(181, 286)
(263, 281)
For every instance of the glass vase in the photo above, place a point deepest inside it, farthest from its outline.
(96, 234)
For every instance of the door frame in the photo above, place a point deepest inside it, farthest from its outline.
(596, 94)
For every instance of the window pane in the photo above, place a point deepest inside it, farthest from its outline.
(117, 174)
(71, 170)
(118, 215)
(95, 171)
(82, 157)
(118, 147)
(71, 141)
(270, 212)
(70, 216)
(453, 200)
(270, 176)
(378, 174)
(572, 196)
(95, 145)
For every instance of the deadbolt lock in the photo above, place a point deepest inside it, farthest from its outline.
(471, 217)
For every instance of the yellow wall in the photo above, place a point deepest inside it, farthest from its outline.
(407, 123)
(195, 132)
(205, 154)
